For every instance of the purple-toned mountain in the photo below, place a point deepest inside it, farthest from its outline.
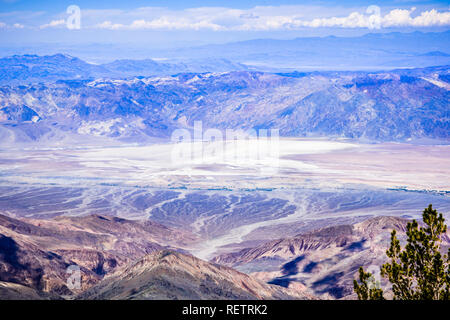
(118, 259)
(384, 106)
(37, 253)
(173, 275)
(325, 260)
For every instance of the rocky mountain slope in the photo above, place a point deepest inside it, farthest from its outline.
(384, 106)
(172, 275)
(37, 253)
(118, 259)
(325, 260)
(14, 291)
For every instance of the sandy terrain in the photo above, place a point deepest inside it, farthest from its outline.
(295, 162)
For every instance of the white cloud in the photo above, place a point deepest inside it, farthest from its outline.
(395, 18)
(53, 24)
(162, 23)
(109, 25)
(399, 17)
(13, 26)
(258, 18)
(431, 18)
(265, 19)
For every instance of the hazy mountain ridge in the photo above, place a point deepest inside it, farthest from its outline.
(25, 69)
(372, 51)
(21, 69)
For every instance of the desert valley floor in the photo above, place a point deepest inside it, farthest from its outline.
(237, 213)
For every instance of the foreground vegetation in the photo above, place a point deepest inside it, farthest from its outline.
(416, 272)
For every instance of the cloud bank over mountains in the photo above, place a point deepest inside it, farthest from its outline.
(259, 18)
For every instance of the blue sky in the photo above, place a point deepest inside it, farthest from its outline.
(166, 23)
(54, 6)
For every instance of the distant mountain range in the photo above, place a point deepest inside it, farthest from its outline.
(23, 69)
(377, 106)
(373, 51)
